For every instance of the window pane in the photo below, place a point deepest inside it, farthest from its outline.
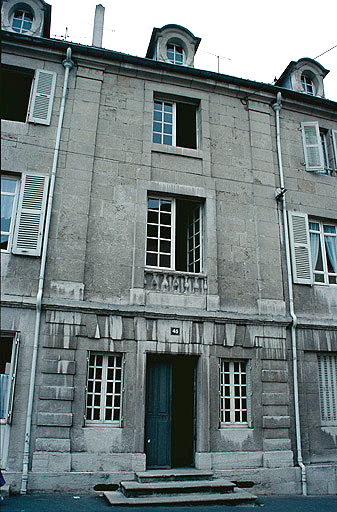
(156, 138)
(164, 261)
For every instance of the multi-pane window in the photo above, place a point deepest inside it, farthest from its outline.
(8, 200)
(320, 148)
(323, 244)
(175, 54)
(175, 124)
(22, 21)
(174, 234)
(104, 388)
(234, 391)
(327, 372)
(307, 84)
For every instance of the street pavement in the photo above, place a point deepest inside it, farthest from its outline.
(90, 503)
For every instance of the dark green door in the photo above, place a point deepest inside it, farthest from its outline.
(169, 426)
(158, 414)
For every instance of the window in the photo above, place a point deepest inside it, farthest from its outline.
(323, 243)
(235, 395)
(8, 207)
(174, 124)
(9, 349)
(22, 20)
(307, 84)
(175, 54)
(327, 374)
(22, 213)
(104, 388)
(27, 95)
(319, 147)
(313, 246)
(174, 234)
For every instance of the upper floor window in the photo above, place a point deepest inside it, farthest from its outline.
(175, 54)
(307, 84)
(320, 148)
(104, 388)
(22, 20)
(9, 188)
(175, 124)
(235, 396)
(27, 95)
(174, 234)
(323, 242)
(327, 374)
(313, 245)
(23, 205)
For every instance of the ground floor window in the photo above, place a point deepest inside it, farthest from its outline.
(9, 348)
(235, 395)
(104, 388)
(327, 373)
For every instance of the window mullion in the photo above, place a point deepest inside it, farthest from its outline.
(103, 388)
(232, 397)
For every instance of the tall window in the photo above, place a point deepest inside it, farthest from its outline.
(174, 234)
(234, 392)
(323, 242)
(22, 20)
(327, 372)
(8, 199)
(175, 124)
(175, 54)
(9, 347)
(104, 388)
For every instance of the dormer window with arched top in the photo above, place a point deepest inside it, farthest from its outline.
(308, 83)
(22, 20)
(175, 53)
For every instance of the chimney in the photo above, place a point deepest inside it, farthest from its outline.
(97, 34)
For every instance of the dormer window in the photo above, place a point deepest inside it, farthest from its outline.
(175, 54)
(307, 84)
(22, 20)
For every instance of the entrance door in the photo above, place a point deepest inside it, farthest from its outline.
(169, 428)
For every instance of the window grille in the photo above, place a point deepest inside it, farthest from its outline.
(327, 372)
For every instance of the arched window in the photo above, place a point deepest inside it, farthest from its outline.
(175, 54)
(22, 20)
(307, 84)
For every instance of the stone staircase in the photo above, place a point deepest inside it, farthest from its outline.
(178, 487)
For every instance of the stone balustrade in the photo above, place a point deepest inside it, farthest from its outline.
(172, 281)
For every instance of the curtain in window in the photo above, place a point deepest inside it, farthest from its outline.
(4, 387)
(331, 247)
(314, 243)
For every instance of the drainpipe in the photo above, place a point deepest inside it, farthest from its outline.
(280, 195)
(68, 64)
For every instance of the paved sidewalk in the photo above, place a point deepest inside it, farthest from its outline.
(80, 503)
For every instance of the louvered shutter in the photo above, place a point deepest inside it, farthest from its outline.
(300, 248)
(312, 146)
(30, 216)
(14, 365)
(334, 143)
(42, 96)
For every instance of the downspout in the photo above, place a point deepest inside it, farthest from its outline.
(280, 195)
(68, 64)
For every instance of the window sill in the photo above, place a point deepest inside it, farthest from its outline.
(234, 426)
(14, 127)
(175, 150)
(103, 425)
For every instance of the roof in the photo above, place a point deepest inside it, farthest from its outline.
(154, 64)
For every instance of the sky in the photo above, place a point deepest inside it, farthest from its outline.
(254, 40)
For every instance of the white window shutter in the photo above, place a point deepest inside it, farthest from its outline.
(14, 365)
(313, 152)
(30, 215)
(42, 96)
(300, 248)
(334, 143)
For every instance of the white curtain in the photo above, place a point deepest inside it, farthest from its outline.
(314, 243)
(4, 388)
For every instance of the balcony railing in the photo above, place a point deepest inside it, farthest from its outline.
(172, 281)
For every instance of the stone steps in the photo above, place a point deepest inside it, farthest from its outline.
(178, 487)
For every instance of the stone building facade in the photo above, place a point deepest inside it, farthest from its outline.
(168, 266)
